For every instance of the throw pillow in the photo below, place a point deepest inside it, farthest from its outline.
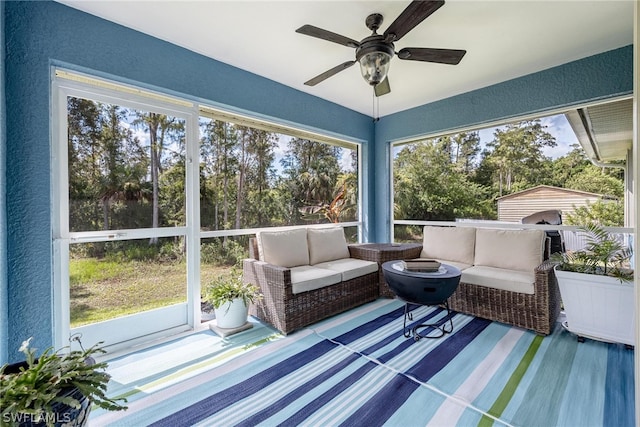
(449, 243)
(326, 244)
(521, 250)
(284, 248)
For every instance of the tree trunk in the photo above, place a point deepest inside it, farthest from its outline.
(105, 214)
(241, 177)
(225, 186)
(153, 139)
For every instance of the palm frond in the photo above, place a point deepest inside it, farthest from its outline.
(603, 255)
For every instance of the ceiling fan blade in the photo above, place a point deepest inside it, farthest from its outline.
(335, 70)
(382, 88)
(441, 56)
(415, 13)
(310, 30)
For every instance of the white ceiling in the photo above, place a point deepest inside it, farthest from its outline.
(504, 39)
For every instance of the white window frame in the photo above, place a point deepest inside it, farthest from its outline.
(70, 83)
(63, 238)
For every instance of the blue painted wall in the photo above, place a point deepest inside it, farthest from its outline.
(40, 34)
(595, 78)
(4, 306)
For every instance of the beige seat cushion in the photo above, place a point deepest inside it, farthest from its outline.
(459, 265)
(521, 250)
(500, 278)
(283, 248)
(449, 243)
(306, 278)
(350, 268)
(326, 244)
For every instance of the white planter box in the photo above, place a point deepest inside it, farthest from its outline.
(598, 307)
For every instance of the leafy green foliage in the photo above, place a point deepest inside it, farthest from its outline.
(603, 255)
(449, 178)
(311, 174)
(227, 287)
(429, 186)
(596, 180)
(608, 213)
(516, 155)
(45, 380)
(121, 179)
(221, 252)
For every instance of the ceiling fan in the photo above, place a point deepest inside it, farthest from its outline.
(374, 53)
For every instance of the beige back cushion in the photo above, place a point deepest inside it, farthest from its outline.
(284, 248)
(326, 244)
(521, 250)
(449, 243)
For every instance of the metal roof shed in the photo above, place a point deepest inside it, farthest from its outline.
(513, 207)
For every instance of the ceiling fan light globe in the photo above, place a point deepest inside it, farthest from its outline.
(374, 67)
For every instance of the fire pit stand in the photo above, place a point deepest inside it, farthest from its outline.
(423, 288)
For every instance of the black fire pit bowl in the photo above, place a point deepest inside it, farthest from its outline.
(422, 288)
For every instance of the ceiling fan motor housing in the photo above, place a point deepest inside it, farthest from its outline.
(374, 55)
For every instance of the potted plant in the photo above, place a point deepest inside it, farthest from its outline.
(231, 297)
(596, 286)
(55, 388)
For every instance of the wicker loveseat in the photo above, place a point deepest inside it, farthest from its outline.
(504, 277)
(306, 275)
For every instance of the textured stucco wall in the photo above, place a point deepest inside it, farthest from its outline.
(597, 77)
(41, 34)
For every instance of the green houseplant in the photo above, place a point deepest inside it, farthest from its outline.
(596, 286)
(55, 388)
(603, 255)
(231, 297)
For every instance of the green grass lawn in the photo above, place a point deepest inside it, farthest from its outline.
(102, 289)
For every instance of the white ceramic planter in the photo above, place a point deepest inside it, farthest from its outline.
(232, 314)
(598, 307)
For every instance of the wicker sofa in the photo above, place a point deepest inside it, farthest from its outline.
(306, 275)
(504, 275)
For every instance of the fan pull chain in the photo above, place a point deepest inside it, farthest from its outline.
(375, 101)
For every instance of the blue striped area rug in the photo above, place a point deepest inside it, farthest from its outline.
(142, 373)
(357, 369)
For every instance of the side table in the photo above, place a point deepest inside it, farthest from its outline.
(383, 252)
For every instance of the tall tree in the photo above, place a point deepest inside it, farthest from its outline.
(83, 148)
(466, 147)
(165, 133)
(244, 141)
(564, 167)
(260, 175)
(120, 160)
(428, 186)
(107, 166)
(218, 152)
(516, 153)
(311, 170)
